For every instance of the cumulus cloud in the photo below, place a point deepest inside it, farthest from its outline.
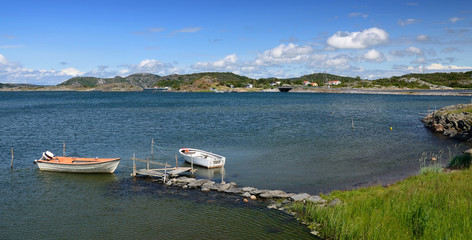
(227, 63)
(72, 72)
(423, 38)
(374, 56)
(454, 19)
(440, 67)
(284, 54)
(404, 22)
(358, 40)
(15, 73)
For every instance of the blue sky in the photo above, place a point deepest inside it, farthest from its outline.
(47, 42)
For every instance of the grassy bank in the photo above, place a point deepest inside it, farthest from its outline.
(432, 205)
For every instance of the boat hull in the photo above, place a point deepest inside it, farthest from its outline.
(80, 166)
(202, 158)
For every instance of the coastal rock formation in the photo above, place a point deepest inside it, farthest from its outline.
(452, 121)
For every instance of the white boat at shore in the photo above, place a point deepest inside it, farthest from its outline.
(49, 162)
(202, 158)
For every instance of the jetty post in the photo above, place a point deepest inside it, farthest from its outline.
(64, 148)
(11, 164)
(134, 165)
(152, 152)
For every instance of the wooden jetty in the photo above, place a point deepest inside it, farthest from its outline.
(163, 173)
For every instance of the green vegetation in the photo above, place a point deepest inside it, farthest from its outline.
(460, 162)
(432, 205)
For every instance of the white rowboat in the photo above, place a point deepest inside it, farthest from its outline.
(77, 165)
(202, 158)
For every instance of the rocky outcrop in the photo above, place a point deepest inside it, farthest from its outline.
(452, 121)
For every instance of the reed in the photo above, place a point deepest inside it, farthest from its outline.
(432, 205)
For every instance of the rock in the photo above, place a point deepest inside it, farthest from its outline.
(220, 187)
(334, 202)
(272, 194)
(184, 179)
(198, 183)
(253, 197)
(249, 189)
(272, 206)
(246, 195)
(233, 184)
(316, 199)
(234, 190)
(300, 197)
(208, 184)
(245, 200)
(453, 121)
(205, 189)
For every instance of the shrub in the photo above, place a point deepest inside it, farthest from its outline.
(460, 162)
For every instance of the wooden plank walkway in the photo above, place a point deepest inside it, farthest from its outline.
(162, 171)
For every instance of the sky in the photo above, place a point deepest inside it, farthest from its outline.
(47, 42)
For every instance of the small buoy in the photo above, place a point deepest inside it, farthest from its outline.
(391, 128)
(253, 197)
(245, 200)
(433, 159)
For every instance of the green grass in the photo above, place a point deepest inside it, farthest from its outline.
(433, 205)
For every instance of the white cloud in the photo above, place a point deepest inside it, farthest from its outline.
(374, 56)
(284, 54)
(70, 72)
(409, 21)
(450, 50)
(440, 67)
(423, 38)
(358, 40)
(227, 63)
(454, 19)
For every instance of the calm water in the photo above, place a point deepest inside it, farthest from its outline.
(294, 142)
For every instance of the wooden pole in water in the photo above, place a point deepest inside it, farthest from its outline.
(134, 165)
(64, 148)
(152, 149)
(352, 123)
(11, 164)
(176, 161)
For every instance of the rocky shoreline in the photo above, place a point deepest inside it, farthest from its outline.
(452, 121)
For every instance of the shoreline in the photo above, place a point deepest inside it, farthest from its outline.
(296, 89)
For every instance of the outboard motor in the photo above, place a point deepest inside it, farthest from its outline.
(47, 155)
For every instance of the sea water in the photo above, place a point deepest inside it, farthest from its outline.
(296, 142)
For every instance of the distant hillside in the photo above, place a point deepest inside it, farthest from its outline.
(141, 80)
(176, 81)
(424, 81)
(223, 80)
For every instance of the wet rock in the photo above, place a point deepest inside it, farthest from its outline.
(453, 121)
(300, 197)
(220, 187)
(272, 206)
(234, 190)
(249, 189)
(208, 184)
(316, 199)
(272, 194)
(205, 189)
(233, 184)
(184, 179)
(246, 195)
(198, 183)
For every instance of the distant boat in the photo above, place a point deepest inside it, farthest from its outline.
(48, 162)
(285, 89)
(202, 158)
